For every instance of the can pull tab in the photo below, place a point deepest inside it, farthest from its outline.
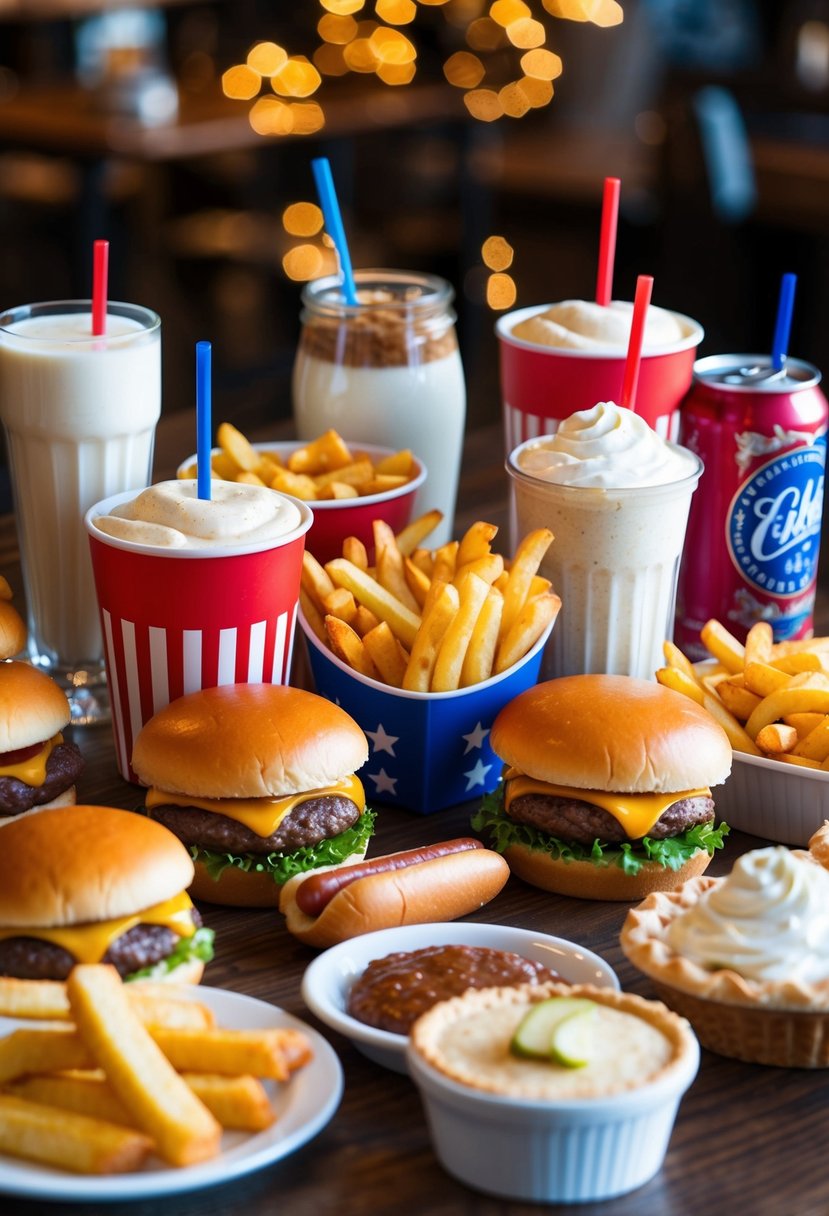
(757, 374)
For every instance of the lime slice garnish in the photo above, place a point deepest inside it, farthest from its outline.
(573, 1040)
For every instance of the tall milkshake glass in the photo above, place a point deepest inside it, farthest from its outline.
(79, 413)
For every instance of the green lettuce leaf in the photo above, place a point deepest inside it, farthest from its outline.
(199, 946)
(282, 866)
(629, 856)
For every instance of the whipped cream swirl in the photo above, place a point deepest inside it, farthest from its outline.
(170, 515)
(608, 447)
(768, 920)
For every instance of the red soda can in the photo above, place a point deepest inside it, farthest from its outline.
(751, 548)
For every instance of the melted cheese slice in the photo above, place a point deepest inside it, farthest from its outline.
(636, 813)
(33, 770)
(89, 943)
(261, 815)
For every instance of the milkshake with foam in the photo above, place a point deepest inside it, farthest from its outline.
(388, 371)
(585, 325)
(79, 413)
(616, 497)
(193, 592)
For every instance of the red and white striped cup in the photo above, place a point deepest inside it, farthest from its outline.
(177, 620)
(542, 385)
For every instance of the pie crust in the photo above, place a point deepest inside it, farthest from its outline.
(467, 1040)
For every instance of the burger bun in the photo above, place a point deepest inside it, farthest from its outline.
(585, 880)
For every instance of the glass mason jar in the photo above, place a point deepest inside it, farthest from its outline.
(386, 370)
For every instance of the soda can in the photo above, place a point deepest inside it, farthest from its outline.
(751, 549)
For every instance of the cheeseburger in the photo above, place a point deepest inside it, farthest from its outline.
(605, 791)
(91, 884)
(258, 781)
(38, 767)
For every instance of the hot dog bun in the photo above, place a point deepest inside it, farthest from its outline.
(439, 889)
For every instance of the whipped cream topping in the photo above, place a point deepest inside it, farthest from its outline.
(585, 325)
(170, 515)
(768, 920)
(608, 447)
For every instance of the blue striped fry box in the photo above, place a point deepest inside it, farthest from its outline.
(427, 750)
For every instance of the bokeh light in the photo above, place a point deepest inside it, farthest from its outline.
(464, 70)
(266, 58)
(241, 82)
(396, 12)
(501, 291)
(305, 219)
(497, 253)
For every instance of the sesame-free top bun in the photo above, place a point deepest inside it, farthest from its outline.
(613, 733)
(81, 864)
(248, 741)
(33, 708)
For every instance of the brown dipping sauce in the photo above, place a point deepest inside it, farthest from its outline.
(394, 991)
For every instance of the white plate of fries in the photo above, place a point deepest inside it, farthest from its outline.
(296, 1109)
(772, 700)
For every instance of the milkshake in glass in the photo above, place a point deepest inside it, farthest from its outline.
(386, 370)
(79, 413)
(616, 497)
(193, 593)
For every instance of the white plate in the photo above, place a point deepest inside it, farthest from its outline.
(329, 977)
(780, 802)
(303, 1107)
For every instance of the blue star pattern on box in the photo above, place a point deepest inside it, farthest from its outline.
(427, 751)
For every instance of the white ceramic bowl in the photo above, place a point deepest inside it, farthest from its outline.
(567, 1151)
(780, 802)
(329, 977)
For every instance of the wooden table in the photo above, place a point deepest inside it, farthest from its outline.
(747, 1139)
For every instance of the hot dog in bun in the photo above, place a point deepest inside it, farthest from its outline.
(605, 793)
(38, 767)
(258, 781)
(434, 883)
(91, 884)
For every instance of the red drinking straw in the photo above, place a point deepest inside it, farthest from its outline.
(100, 269)
(607, 240)
(644, 287)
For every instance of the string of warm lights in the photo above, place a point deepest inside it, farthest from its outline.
(500, 36)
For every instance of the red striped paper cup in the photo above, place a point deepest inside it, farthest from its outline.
(542, 385)
(175, 621)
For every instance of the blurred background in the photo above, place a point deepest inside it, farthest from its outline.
(183, 131)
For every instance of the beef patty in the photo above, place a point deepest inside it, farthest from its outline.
(582, 822)
(314, 820)
(63, 768)
(30, 958)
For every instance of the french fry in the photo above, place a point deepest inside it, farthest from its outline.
(723, 645)
(163, 1106)
(85, 1094)
(680, 681)
(381, 483)
(51, 1049)
(763, 679)
(674, 657)
(758, 644)
(297, 484)
(413, 534)
(422, 558)
(341, 603)
(475, 543)
(389, 564)
(313, 615)
(364, 620)
(803, 722)
(338, 490)
(739, 739)
(386, 653)
(427, 640)
(777, 737)
(737, 700)
(261, 1053)
(524, 566)
(329, 451)
(480, 654)
(250, 479)
(399, 464)
(348, 646)
(525, 630)
(447, 671)
(815, 745)
(315, 580)
(355, 551)
(238, 1103)
(237, 447)
(417, 581)
(33, 999)
(803, 660)
(67, 1140)
(489, 568)
(386, 607)
(355, 474)
(809, 691)
(446, 558)
(803, 761)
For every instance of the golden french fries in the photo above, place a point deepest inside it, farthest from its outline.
(69, 1140)
(771, 698)
(492, 616)
(323, 469)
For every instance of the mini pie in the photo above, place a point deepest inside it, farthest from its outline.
(782, 1021)
(467, 1039)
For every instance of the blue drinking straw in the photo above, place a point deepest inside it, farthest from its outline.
(334, 223)
(203, 418)
(783, 325)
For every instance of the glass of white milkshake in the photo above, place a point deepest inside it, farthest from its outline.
(79, 413)
(386, 370)
(616, 497)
